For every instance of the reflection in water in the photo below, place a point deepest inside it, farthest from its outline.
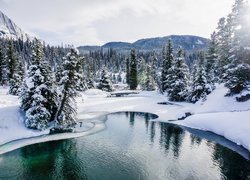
(231, 164)
(152, 131)
(171, 135)
(55, 160)
(152, 150)
(195, 140)
(132, 119)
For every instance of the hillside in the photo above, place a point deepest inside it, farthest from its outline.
(187, 42)
(8, 29)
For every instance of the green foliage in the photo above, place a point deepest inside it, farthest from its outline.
(133, 81)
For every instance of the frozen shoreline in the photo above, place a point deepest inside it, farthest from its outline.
(220, 115)
(98, 125)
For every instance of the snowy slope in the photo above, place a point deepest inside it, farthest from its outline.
(8, 29)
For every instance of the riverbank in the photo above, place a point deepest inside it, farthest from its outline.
(221, 115)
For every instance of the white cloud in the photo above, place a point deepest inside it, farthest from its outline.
(98, 21)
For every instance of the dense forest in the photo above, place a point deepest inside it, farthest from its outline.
(48, 78)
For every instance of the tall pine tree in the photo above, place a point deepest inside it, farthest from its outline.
(167, 64)
(178, 90)
(133, 81)
(66, 114)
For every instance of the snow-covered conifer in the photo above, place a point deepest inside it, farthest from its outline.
(133, 80)
(66, 114)
(38, 96)
(200, 88)
(178, 89)
(238, 78)
(105, 83)
(167, 64)
(17, 80)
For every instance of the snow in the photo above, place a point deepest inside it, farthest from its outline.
(219, 114)
(199, 42)
(234, 126)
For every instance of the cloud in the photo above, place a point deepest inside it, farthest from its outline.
(97, 21)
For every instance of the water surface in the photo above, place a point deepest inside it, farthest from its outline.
(131, 147)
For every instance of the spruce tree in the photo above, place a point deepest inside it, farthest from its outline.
(1, 65)
(149, 83)
(81, 80)
(11, 59)
(238, 78)
(239, 67)
(127, 71)
(17, 80)
(211, 60)
(166, 66)
(38, 96)
(105, 83)
(200, 87)
(133, 81)
(178, 90)
(66, 114)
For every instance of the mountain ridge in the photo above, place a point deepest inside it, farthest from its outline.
(187, 42)
(8, 29)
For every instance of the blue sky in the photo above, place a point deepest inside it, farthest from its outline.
(94, 22)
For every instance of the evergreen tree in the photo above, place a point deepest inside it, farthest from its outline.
(2, 65)
(238, 69)
(178, 90)
(119, 77)
(105, 83)
(238, 78)
(133, 81)
(127, 71)
(66, 114)
(38, 96)
(11, 59)
(224, 36)
(154, 65)
(200, 87)
(166, 66)
(81, 80)
(150, 83)
(211, 62)
(17, 80)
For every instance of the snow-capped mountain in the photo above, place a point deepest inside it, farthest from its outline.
(8, 29)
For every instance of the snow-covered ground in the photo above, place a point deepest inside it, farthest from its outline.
(219, 114)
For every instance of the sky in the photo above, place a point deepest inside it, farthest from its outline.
(95, 22)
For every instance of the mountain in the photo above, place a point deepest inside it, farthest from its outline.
(8, 29)
(187, 42)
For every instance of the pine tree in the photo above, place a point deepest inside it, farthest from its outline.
(105, 83)
(133, 81)
(150, 83)
(238, 78)
(238, 69)
(127, 71)
(38, 96)
(1, 65)
(200, 87)
(178, 90)
(166, 66)
(119, 77)
(224, 36)
(17, 80)
(81, 80)
(66, 114)
(211, 60)
(11, 59)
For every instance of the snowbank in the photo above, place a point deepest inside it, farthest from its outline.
(234, 126)
(219, 114)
